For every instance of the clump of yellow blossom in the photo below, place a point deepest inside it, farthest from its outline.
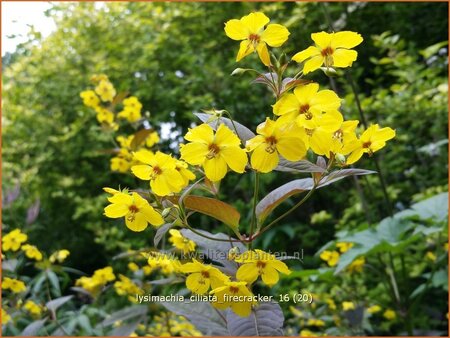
(32, 252)
(180, 242)
(15, 285)
(59, 256)
(13, 240)
(331, 257)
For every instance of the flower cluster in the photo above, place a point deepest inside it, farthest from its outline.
(97, 281)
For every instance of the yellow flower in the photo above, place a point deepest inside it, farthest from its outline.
(250, 29)
(119, 164)
(5, 317)
(152, 139)
(306, 103)
(343, 136)
(202, 277)
(374, 309)
(389, 314)
(105, 90)
(132, 102)
(235, 295)
(126, 287)
(133, 266)
(331, 303)
(32, 308)
(131, 109)
(89, 284)
(275, 139)
(104, 116)
(180, 242)
(315, 322)
(215, 152)
(346, 306)
(186, 174)
(331, 50)
(372, 140)
(103, 276)
(331, 257)
(15, 285)
(167, 264)
(13, 240)
(160, 169)
(90, 99)
(259, 263)
(32, 252)
(307, 333)
(136, 210)
(61, 255)
(344, 246)
(357, 265)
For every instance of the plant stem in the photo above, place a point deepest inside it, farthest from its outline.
(255, 199)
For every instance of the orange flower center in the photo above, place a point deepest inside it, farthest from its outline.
(155, 172)
(367, 144)
(327, 53)
(234, 289)
(213, 151)
(254, 38)
(132, 214)
(338, 134)
(260, 265)
(271, 142)
(205, 274)
(304, 109)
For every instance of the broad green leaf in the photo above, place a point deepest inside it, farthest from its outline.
(207, 320)
(434, 208)
(124, 314)
(212, 207)
(337, 175)
(33, 328)
(54, 304)
(302, 166)
(280, 194)
(160, 233)
(266, 319)
(54, 281)
(242, 131)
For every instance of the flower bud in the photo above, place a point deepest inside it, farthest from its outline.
(331, 72)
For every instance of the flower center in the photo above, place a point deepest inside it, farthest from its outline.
(254, 38)
(271, 142)
(304, 109)
(234, 289)
(367, 144)
(155, 172)
(132, 214)
(213, 151)
(260, 265)
(327, 53)
(309, 132)
(205, 274)
(338, 134)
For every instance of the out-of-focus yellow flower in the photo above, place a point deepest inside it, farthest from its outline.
(5, 317)
(357, 265)
(61, 255)
(126, 287)
(202, 277)
(315, 322)
(13, 240)
(32, 252)
(120, 164)
(274, 139)
(131, 109)
(180, 242)
(372, 140)
(235, 295)
(331, 50)
(133, 266)
(168, 265)
(430, 256)
(89, 284)
(250, 29)
(90, 99)
(136, 210)
(259, 263)
(331, 257)
(331, 303)
(15, 285)
(374, 309)
(307, 333)
(104, 116)
(215, 152)
(389, 314)
(344, 246)
(105, 90)
(160, 170)
(296, 312)
(346, 306)
(33, 308)
(152, 139)
(103, 276)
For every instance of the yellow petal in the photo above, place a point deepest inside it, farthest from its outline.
(159, 186)
(235, 157)
(225, 137)
(142, 171)
(385, 134)
(202, 133)
(312, 64)
(275, 35)
(254, 142)
(322, 39)
(197, 284)
(137, 224)
(247, 272)
(242, 309)
(264, 161)
(153, 217)
(144, 156)
(280, 266)
(263, 53)
(270, 276)
(255, 22)
(236, 30)
(325, 101)
(194, 153)
(291, 148)
(306, 93)
(355, 156)
(306, 54)
(287, 104)
(321, 142)
(344, 57)
(245, 49)
(215, 168)
(121, 198)
(346, 39)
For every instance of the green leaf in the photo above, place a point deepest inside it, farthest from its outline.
(127, 329)
(33, 328)
(242, 131)
(160, 233)
(266, 319)
(124, 314)
(302, 166)
(434, 208)
(54, 281)
(433, 49)
(212, 207)
(280, 194)
(84, 323)
(207, 320)
(338, 175)
(56, 303)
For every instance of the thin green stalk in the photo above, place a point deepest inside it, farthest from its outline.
(255, 200)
